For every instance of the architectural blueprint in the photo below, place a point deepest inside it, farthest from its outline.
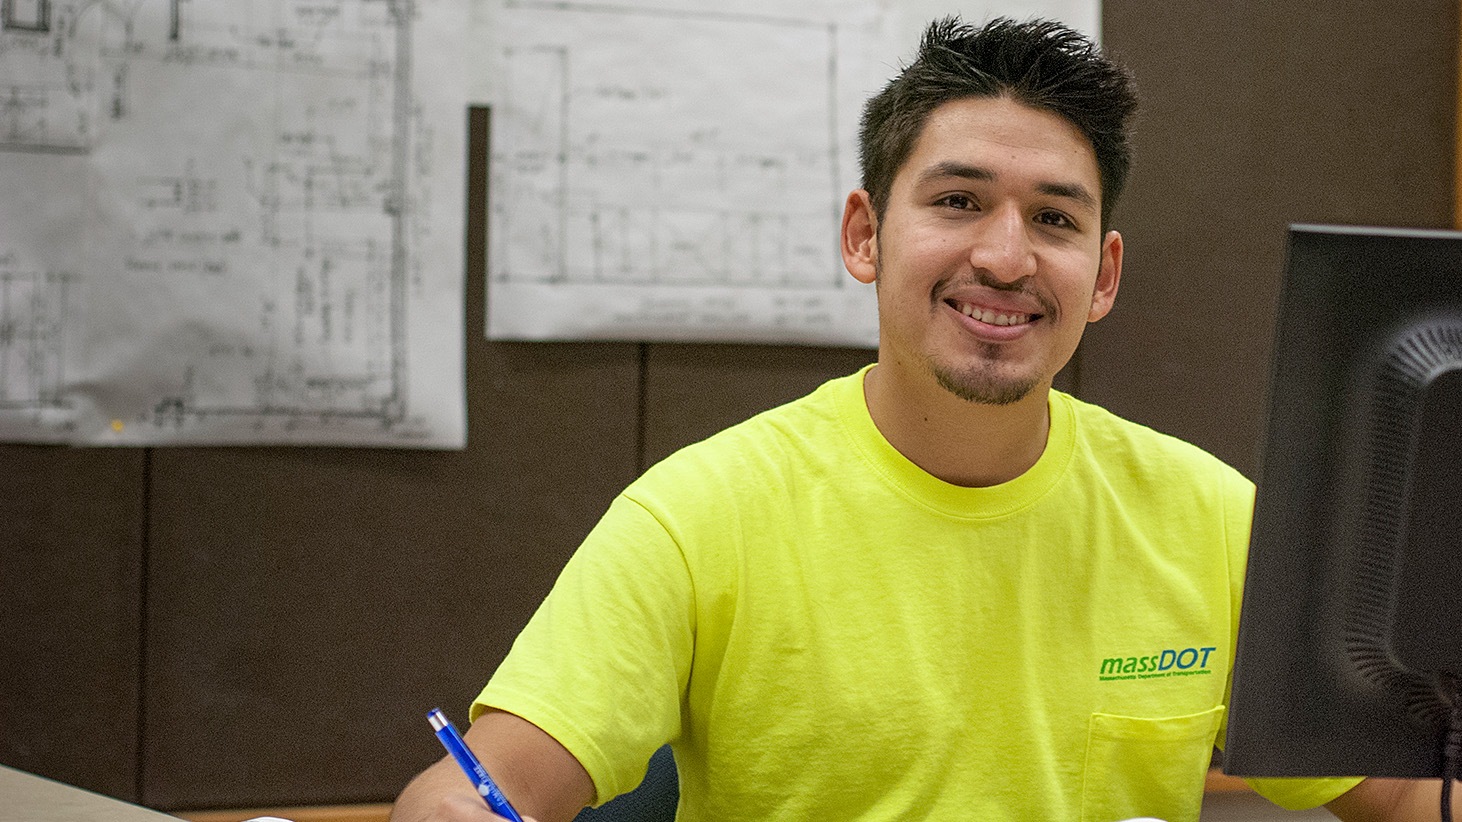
(676, 169)
(232, 222)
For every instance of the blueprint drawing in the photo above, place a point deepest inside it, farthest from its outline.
(232, 223)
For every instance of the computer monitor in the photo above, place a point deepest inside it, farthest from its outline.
(1351, 626)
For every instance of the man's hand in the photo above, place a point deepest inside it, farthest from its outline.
(441, 793)
(457, 808)
(541, 779)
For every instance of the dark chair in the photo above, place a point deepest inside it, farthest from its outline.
(653, 801)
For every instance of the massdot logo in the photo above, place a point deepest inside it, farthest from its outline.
(1165, 663)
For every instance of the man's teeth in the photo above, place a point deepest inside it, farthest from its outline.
(993, 317)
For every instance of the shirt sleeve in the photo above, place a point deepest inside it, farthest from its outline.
(602, 665)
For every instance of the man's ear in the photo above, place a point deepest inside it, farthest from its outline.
(1108, 277)
(860, 237)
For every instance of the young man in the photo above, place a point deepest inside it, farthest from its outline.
(935, 589)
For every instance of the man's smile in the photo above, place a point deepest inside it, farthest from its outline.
(991, 316)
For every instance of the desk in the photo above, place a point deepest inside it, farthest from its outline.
(28, 798)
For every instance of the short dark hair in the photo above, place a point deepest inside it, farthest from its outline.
(1040, 63)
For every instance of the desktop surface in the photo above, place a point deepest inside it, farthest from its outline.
(26, 797)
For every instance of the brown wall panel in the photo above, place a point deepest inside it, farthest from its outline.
(70, 585)
(693, 391)
(307, 607)
(1256, 115)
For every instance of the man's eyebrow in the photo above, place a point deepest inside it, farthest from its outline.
(1070, 191)
(950, 168)
(965, 171)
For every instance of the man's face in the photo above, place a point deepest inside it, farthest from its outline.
(989, 257)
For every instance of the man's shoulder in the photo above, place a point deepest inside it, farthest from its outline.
(1111, 439)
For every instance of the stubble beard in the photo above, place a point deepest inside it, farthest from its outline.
(979, 383)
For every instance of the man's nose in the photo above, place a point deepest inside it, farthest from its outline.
(1000, 245)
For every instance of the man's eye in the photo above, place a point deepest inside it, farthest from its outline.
(959, 201)
(1054, 218)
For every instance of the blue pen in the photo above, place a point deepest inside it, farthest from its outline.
(488, 789)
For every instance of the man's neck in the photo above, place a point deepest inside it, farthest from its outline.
(958, 441)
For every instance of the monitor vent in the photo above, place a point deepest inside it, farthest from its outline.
(1412, 361)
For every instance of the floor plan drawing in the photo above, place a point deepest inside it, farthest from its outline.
(633, 197)
(629, 199)
(244, 217)
(32, 316)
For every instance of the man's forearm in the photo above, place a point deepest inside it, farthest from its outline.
(1394, 800)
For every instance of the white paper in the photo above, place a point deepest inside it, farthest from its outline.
(232, 223)
(676, 169)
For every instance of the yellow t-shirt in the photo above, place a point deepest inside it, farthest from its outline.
(823, 631)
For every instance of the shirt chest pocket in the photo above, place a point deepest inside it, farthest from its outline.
(1140, 766)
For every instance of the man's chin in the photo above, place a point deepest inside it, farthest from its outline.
(983, 388)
